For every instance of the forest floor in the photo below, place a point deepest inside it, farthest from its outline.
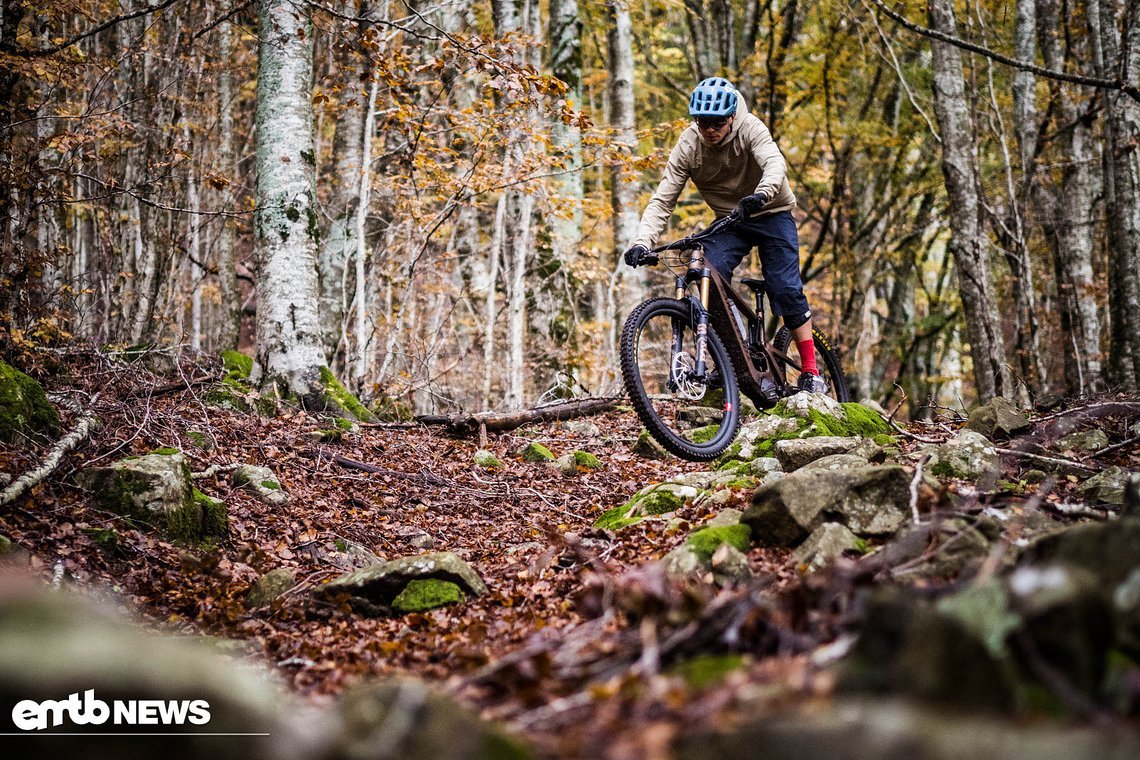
(580, 645)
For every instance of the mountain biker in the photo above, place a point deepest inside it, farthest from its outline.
(735, 164)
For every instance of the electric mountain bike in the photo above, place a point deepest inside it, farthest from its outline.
(685, 360)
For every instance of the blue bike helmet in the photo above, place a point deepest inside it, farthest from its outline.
(714, 96)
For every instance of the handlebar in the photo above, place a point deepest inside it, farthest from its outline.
(691, 242)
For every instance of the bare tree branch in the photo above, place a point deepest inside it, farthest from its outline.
(78, 37)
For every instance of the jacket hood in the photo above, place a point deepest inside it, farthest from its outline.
(737, 122)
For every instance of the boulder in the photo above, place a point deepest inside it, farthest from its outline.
(967, 456)
(1083, 440)
(652, 501)
(953, 548)
(728, 516)
(824, 545)
(699, 416)
(270, 586)
(487, 460)
(998, 419)
(835, 463)
(1109, 550)
(535, 453)
(870, 501)
(575, 463)
(795, 453)
(730, 565)
(872, 728)
(261, 482)
(24, 407)
(1106, 487)
(427, 594)
(755, 438)
(154, 489)
(372, 590)
(648, 447)
(720, 549)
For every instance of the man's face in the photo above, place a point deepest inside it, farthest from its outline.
(714, 129)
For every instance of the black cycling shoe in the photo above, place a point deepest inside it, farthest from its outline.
(810, 382)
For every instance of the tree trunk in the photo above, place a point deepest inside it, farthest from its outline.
(1122, 193)
(289, 350)
(969, 243)
(229, 312)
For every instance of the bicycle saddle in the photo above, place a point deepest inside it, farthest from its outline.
(756, 286)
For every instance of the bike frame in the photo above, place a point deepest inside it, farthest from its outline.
(715, 297)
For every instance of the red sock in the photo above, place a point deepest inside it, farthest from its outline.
(807, 355)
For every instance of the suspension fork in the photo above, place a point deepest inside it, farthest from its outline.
(697, 267)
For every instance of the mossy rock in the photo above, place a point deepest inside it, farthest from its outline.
(427, 594)
(167, 451)
(203, 441)
(706, 670)
(584, 460)
(707, 540)
(154, 489)
(237, 366)
(224, 397)
(648, 447)
(269, 587)
(373, 590)
(536, 452)
(342, 398)
(215, 516)
(261, 482)
(6, 546)
(650, 502)
(24, 407)
(486, 459)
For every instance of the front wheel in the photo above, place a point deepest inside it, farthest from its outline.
(693, 415)
(826, 358)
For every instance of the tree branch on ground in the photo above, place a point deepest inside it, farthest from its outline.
(498, 422)
(86, 425)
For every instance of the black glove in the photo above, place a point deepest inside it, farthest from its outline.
(751, 204)
(637, 255)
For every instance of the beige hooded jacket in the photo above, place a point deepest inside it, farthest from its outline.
(747, 161)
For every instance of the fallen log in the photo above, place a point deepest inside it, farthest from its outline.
(497, 422)
(83, 428)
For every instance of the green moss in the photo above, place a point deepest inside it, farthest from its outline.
(342, 424)
(215, 516)
(703, 434)
(536, 452)
(885, 440)
(330, 435)
(740, 483)
(167, 451)
(943, 469)
(271, 485)
(484, 458)
(342, 397)
(6, 546)
(201, 440)
(659, 501)
(426, 594)
(707, 540)
(586, 460)
(238, 366)
(388, 409)
(861, 545)
(706, 669)
(24, 407)
(864, 422)
(222, 398)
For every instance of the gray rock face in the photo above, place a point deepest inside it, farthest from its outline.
(154, 488)
(826, 542)
(699, 416)
(751, 434)
(835, 463)
(998, 419)
(270, 586)
(261, 482)
(1083, 440)
(802, 404)
(869, 500)
(951, 548)
(1106, 487)
(730, 565)
(797, 452)
(372, 589)
(724, 517)
(969, 456)
(648, 447)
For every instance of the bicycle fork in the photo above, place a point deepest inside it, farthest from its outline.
(696, 270)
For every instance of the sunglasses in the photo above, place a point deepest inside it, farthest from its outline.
(719, 123)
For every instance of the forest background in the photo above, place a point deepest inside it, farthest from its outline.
(431, 199)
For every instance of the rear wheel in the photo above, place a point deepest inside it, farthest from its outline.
(694, 417)
(826, 358)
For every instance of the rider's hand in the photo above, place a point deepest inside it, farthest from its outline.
(751, 204)
(637, 255)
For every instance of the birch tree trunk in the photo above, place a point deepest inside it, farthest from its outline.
(289, 350)
(1122, 191)
(627, 288)
(969, 244)
(229, 317)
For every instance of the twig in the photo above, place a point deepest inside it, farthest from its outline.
(914, 488)
(1095, 410)
(1055, 461)
(912, 436)
(213, 470)
(1112, 448)
(1075, 510)
(86, 425)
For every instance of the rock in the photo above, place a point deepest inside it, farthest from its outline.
(1109, 550)
(24, 408)
(422, 541)
(950, 548)
(1083, 440)
(154, 489)
(893, 728)
(835, 463)
(826, 542)
(1106, 487)
(584, 428)
(755, 438)
(372, 590)
(997, 419)
(261, 482)
(730, 565)
(215, 516)
(536, 452)
(404, 718)
(486, 459)
(427, 594)
(660, 499)
(648, 447)
(724, 517)
(795, 453)
(699, 416)
(56, 644)
(872, 500)
(584, 460)
(1034, 476)
(967, 456)
(1130, 506)
(764, 465)
(804, 404)
(270, 586)
(707, 540)
(682, 562)
(6, 546)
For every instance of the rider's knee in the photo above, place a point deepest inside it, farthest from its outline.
(797, 319)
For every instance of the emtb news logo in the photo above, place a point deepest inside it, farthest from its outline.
(29, 715)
